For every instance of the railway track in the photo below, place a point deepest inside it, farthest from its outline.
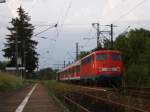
(137, 92)
(95, 99)
(127, 91)
(90, 103)
(79, 106)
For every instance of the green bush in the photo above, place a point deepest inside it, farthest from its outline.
(9, 82)
(135, 48)
(137, 75)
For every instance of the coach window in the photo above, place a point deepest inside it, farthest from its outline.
(69, 70)
(66, 71)
(73, 70)
(101, 57)
(116, 57)
(78, 69)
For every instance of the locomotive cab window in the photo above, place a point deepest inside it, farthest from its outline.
(101, 57)
(116, 57)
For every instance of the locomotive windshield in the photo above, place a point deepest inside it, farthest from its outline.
(101, 57)
(116, 57)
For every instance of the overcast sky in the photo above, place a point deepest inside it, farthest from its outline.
(74, 18)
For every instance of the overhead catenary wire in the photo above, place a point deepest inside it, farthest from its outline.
(21, 2)
(46, 29)
(61, 23)
(114, 8)
(90, 32)
(67, 25)
(67, 12)
(129, 11)
(58, 24)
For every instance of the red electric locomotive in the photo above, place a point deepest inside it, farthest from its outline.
(98, 66)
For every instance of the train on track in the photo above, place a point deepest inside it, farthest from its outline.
(103, 66)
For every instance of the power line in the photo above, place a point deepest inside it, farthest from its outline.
(21, 2)
(46, 29)
(57, 31)
(90, 32)
(77, 24)
(67, 11)
(43, 25)
(113, 8)
(65, 16)
(129, 11)
(70, 55)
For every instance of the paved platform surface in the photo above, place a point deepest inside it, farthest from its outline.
(9, 101)
(40, 101)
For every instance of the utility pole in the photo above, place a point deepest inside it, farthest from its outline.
(111, 34)
(77, 51)
(64, 64)
(24, 58)
(16, 52)
(98, 32)
(37, 68)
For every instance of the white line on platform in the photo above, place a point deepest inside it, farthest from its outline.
(24, 102)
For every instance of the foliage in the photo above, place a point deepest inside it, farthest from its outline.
(107, 44)
(57, 90)
(22, 31)
(9, 82)
(83, 54)
(47, 74)
(3, 64)
(135, 48)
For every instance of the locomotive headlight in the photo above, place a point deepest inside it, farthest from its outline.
(114, 69)
(104, 69)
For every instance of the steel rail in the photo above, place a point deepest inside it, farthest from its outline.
(95, 88)
(115, 103)
(82, 109)
(137, 92)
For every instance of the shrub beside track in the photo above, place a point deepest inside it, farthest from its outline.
(9, 82)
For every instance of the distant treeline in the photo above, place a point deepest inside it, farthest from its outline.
(46, 74)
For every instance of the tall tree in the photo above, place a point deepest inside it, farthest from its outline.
(21, 30)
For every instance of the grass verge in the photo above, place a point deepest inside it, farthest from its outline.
(9, 82)
(56, 90)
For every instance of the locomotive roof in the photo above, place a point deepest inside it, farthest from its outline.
(101, 51)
